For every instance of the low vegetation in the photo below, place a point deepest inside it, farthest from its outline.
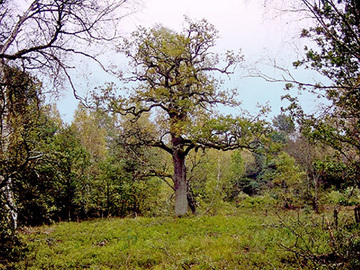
(242, 238)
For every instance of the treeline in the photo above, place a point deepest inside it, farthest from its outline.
(88, 169)
(68, 172)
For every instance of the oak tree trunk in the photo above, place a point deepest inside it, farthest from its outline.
(180, 182)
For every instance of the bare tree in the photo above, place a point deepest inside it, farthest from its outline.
(45, 34)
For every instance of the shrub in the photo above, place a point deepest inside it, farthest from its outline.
(262, 201)
(348, 197)
(320, 244)
(11, 248)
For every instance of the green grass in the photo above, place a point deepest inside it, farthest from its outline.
(249, 239)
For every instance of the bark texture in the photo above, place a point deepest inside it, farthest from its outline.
(180, 181)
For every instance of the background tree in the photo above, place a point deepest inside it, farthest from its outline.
(120, 178)
(336, 32)
(20, 121)
(175, 80)
(44, 36)
(19, 111)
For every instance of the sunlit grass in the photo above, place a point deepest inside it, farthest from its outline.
(251, 239)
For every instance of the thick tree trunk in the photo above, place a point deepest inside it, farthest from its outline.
(180, 184)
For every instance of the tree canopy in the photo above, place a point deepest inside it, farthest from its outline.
(175, 76)
(336, 33)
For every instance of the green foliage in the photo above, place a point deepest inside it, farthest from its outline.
(11, 247)
(120, 192)
(287, 171)
(284, 124)
(19, 116)
(48, 189)
(91, 128)
(248, 240)
(212, 179)
(332, 172)
(336, 33)
(347, 197)
(83, 173)
(263, 202)
(106, 165)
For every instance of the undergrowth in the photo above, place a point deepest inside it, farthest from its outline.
(247, 239)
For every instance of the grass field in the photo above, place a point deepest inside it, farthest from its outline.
(245, 239)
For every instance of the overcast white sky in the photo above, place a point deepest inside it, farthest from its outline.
(249, 25)
(243, 24)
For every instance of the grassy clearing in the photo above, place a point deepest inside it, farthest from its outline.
(249, 239)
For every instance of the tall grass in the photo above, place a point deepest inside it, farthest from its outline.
(248, 239)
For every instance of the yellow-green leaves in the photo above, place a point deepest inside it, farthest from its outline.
(174, 71)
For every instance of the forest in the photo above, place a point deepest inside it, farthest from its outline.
(156, 158)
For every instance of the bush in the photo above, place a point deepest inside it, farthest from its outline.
(321, 244)
(348, 197)
(11, 248)
(262, 201)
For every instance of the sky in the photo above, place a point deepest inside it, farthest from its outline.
(253, 26)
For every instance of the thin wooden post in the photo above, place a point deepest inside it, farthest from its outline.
(336, 213)
(357, 214)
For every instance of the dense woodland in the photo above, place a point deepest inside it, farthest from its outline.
(164, 148)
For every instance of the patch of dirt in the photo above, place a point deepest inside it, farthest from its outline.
(36, 230)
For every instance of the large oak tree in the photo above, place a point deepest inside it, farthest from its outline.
(174, 77)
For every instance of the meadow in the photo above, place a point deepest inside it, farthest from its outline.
(246, 238)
